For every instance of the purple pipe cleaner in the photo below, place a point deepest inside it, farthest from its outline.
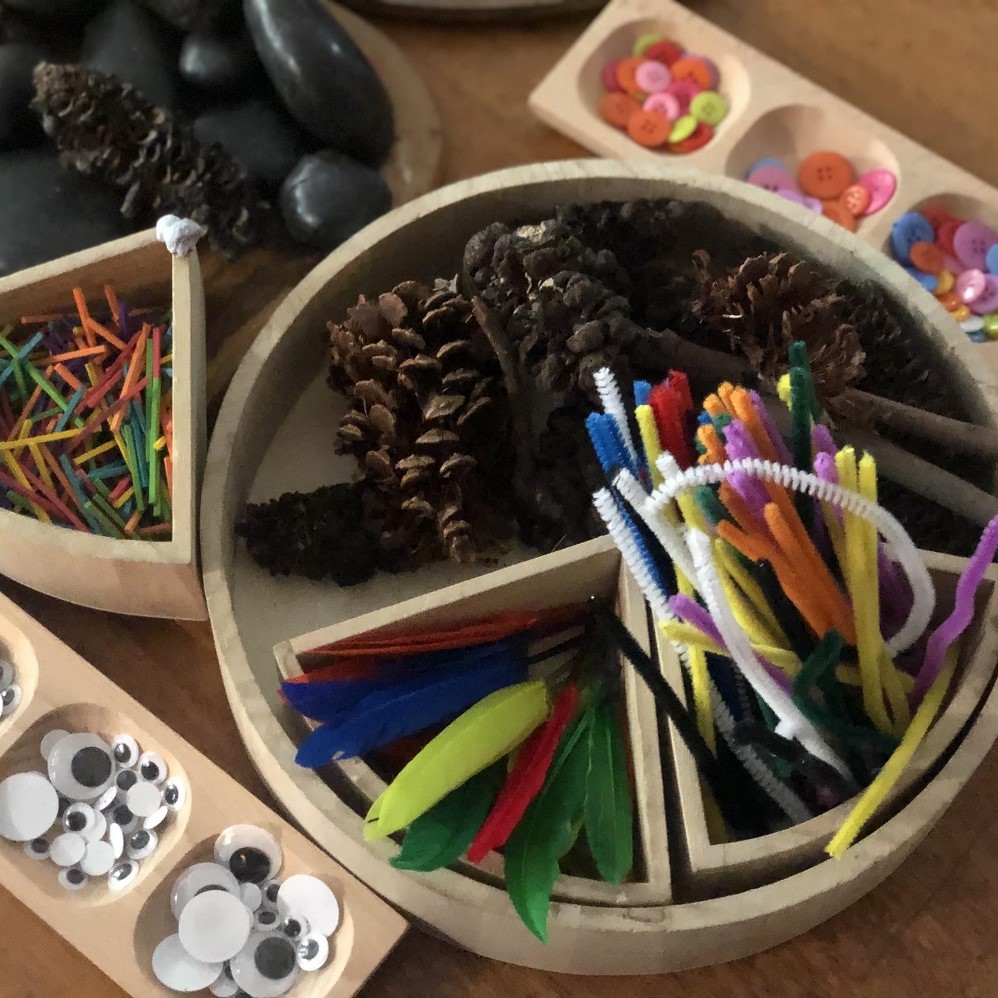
(782, 453)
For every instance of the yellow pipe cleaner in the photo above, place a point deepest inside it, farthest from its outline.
(649, 441)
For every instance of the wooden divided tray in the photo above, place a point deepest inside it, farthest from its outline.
(118, 932)
(152, 578)
(276, 432)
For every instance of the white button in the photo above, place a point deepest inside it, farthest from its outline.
(29, 806)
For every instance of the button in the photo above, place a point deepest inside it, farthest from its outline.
(946, 282)
(772, 178)
(701, 135)
(626, 69)
(684, 92)
(961, 312)
(694, 70)
(991, 325)
(991, 259)
(664, 51)
(882, 184)
(715, 73)
(649, 128)
(683, 128)
(788, 194)
(825, 175)
(709, 107)
(949, 301)
(767, 161)
(652, 77)
(970, 286)
(928, 281)
(973, 324)
(29, 806)
(909, 229)
(815, 204)
(988, 300)
(976, 335)
(971, 242)
(645, 41)
(608, 74)
(665, 104)
(855, 199)
(837, 213)
(928, 257)
(935, 213)
(945, 233)
(616, 108)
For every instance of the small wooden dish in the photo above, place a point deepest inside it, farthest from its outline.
(275, 433)
(141, 577)
(118, 932)
(475, 12)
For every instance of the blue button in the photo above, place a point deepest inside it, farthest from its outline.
(910, 229)
(928, 281)
(991, 259)
(977, 336)
(766, 161)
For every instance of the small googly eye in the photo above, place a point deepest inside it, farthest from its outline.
(37, 849)
(125, 750)
(106, 799)
(10, 699)
(152, 768)
(68, 849)
(50, 741)
(73, 879)
(198, 878)
(270, 893)
(309, 898)
(7, 672)
(175, 794)
(141, 844)
(156, 818)
(81, 767)
(125, 780)
(252, 896)
(267, 966)
(122, 816)
(122, 875)
(295, 928)
(250, 853)
(80, 818)
(116, 839)
(313, 952)
(267, 920)
(177, 970)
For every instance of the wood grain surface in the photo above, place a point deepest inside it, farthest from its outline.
(925, 68)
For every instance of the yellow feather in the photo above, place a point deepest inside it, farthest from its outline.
(483, 734)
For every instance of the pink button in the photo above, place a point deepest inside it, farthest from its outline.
(609, 75)
(971, 243)
(881, 184)
(772, 178)
(970, 286)
(665, 104)
(652, 77)
(814, 204)
(684, 91)
(988, 302)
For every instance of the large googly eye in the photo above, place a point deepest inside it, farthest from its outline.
(175, 794)
(10, 699)
(197, 879)
(68, 849)
(267, 966)
(122, 816)
(214, 927)
(177, 970)
(267, 920)
(141, 844)
(144, 799)
(313, 952)
(50, 741)
(250, 853)
(37, 849)
(125, 750)
(309, 898)
(80, 818)
(225, 986)
(152, 768)
(29, 806)
(122, 875)
(73, 879)
(7, 672)
(81, 767)
(98, 859)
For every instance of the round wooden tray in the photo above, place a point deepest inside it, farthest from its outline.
(275, 433)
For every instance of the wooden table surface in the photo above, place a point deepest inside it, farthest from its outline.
(925, 68)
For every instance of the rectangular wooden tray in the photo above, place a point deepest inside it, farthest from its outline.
(118, 933)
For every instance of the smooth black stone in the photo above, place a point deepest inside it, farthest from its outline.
(329, 197)
(258, 136)
(134, 45)
(91, 766)
(249, 865)
(20, 127)
(220, 64)
(323, 78)
(198, 15)
(77, 9)
(274, 958)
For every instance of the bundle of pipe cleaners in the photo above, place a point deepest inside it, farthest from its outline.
(512, 728)
(800, 607)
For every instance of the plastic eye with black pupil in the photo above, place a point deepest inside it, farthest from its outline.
(266, 920)
(125, 780)
(10, 699)
(312, 952)
(37, 849)
(197, 879)
(125, 750)
(250, 853)
(122, 875)
(267, 966)
(121, 815)
(295, 928)
(152, 768)
(141, 844)
(81, 767)
(80, 818)
(73, 879)
(174, 795)
(271, 891)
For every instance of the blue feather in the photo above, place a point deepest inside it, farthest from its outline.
(385, 716)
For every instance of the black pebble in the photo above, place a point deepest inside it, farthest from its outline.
(126, 779)
(249, 865)
(220, 64)
(275, 958)
(91, 766)
(20, 127)
(197, 15)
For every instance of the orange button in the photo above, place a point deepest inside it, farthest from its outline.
(935, 213)
(649, 128)
(856, 199)
(625, 75)
(702, 134)
(928, 257)
(960, 313)
(616, 108)
(694, 70)
(949, 301)
(837, 212)
(946, 282)
(825, 175)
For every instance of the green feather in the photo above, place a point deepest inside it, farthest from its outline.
(548, 829)
(609, 811)
(443, 834)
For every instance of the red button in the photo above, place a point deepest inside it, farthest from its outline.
(664, 51)
(702, 134)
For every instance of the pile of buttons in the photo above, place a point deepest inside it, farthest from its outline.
(826, 182)
(241, 931)
(662, 96)
(94, 812)
(10, 692)
(954, 259)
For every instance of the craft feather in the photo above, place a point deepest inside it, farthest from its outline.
(479, 737)
(548, 830)
(387, 715)
(526, 778)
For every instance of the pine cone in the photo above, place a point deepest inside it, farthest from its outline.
(427, 424)
(770, 301)
(107, 129)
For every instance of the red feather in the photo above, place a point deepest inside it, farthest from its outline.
(526, 778)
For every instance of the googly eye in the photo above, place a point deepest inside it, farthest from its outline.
(116, 839)
(80, 818)
(125, 750)
(81, 767)
(214, 927)
(175, 794)
(68, 849)
(73, 879)
(295, 928)
(50, 740)
(252, 896)
(152, 768)
(267, 920)
(271, 890)
(122, 875)
(156, 818)
(106, 799)
(10, 699)
(98, 860)
(29, 806)
(37, 849)
(7, 672)
(177, 970)
(225, 986)
(250, 853)
(267, 966)
(312, 952)
(141, 844)
(143, 799)
(121, 815)
(199, 878)
(307, 897)
(124, 781)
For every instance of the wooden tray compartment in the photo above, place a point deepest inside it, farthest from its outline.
(565, 577)
(72, 695)
(148, 578)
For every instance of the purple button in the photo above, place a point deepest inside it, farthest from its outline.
(970, 286)
(971, 242)
(773, 178)
(814, 204)
(988, 301)
(791, 195)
